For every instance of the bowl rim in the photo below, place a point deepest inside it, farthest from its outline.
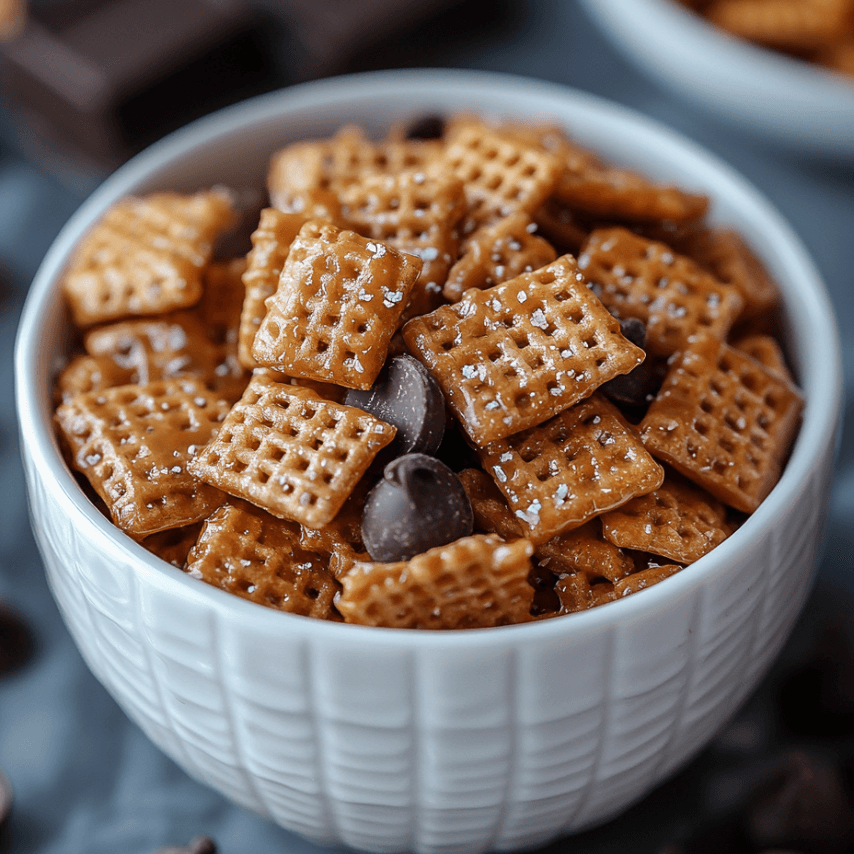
(761, 60)
(39, 445)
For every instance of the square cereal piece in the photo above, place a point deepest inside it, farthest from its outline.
(248, 552)
(416, 214)
(581, 463)
(474, 582)
(291, 452)
(513, 355)
(157, 348)
(174, 544)
(677, 521)
(767, 351)
(222, 299)
(724, 422)
(501, 172)
(305, 172)
(134, 443)
(496, 253)
(585, 550)
(672, 295)
(339, 301)
(729, 259)
(271, 242)
(638, 581)
(92, 373)
(145, 256)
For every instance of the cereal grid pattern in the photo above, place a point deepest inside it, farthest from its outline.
(145, 256)
(271, 242)
(475, 582)
(92, 373)
(157, 348)
(416, 214)
(585, 550)
(339, 301)
(291, 452)
(509, 357)
(496, 253)
(248, 552)
(797, 25)
(579, 464)
(765, 350)
(500, 173)
(729, 259)
(678, 521)
(724, 422)
(135, 443)
(672, 295)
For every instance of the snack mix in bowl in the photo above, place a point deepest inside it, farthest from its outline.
(468, 376)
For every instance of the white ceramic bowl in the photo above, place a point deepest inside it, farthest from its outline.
(801, 106)
(391, 740)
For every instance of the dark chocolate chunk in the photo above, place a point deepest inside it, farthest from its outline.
(406, 396)
(16, 640)
(418, 505)
(634, 330)
(804, 807)
(427, 127)
(635, 389)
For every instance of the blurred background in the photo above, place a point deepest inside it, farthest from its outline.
(84, 84)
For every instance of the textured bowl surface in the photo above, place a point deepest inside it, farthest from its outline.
(801, 106)
(391, 740)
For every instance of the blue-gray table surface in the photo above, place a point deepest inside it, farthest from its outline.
(86, 780)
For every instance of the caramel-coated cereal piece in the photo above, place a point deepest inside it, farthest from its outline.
(271, 242)
(724, 422)
(248, 552)
(496, 253)
(513, 355)
(501, 173)
(475, 582)
(134, 444)
(729, 259)
(307, 177)
(585, 550)
(291, 452)
(645, 578)
(416, 214)
(673, 296)
(677, 521)
(145, 256)
(795, 25)
(491, 513)
(339, 301)
(174, 544)
(765, 350)
(581, 463)
(222, 299)
(92, 373)
(157, 348)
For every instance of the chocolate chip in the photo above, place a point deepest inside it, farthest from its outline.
(418, 505)
(635, 389)
(804, 807)
(427, 127)
(406, 396)
(634, 330)
(16, 640)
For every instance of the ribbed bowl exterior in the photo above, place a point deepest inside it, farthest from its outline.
(389, 740)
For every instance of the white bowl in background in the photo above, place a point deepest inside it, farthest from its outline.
(802, 106)
(466, 741)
